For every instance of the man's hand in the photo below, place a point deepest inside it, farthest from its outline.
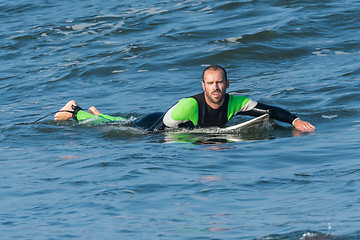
(303, 126)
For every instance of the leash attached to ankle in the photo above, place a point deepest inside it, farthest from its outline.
(76, 110)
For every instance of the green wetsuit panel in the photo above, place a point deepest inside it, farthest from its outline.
(235, 104)
(186, 109)
(101, 118)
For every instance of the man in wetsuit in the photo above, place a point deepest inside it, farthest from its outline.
(213, 107)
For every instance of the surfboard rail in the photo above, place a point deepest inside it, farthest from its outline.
(247, 123)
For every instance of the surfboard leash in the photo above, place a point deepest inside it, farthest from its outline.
(47, 116)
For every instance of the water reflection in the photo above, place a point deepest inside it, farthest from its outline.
(251, 134)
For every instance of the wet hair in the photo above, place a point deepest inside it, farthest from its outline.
(214, 68)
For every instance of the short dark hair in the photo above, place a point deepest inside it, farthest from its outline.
(214, 68)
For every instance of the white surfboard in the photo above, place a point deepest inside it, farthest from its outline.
(247, 123)
(230, 129)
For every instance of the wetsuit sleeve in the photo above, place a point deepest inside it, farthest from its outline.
(238, 104)
(274, 112)
(184, 113)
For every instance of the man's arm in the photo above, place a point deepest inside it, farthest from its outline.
(182, 114)
(281, 115)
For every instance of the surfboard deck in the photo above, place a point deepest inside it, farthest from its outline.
(246, 124)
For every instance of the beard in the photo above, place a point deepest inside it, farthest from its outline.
(215, 99)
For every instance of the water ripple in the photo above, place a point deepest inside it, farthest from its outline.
(134, 58)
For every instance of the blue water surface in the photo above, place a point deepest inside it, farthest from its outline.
(87, 181)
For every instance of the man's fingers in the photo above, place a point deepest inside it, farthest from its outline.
(304, 126)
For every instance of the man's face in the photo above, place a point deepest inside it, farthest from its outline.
(214, 86)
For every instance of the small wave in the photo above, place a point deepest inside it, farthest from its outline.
(82, 26)
(311, 235)
(15, 7)
(144, 11)
(329, 116)
(234, 39)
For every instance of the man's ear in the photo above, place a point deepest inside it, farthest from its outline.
(227, 83)
(203, 85)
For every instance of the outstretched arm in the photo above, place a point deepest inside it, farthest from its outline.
(281, 115)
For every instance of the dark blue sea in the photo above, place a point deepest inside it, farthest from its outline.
(67, 180)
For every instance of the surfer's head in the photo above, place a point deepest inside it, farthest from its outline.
(215, 68)
(214, 85)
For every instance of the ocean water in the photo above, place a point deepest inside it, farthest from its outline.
(131, 58)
